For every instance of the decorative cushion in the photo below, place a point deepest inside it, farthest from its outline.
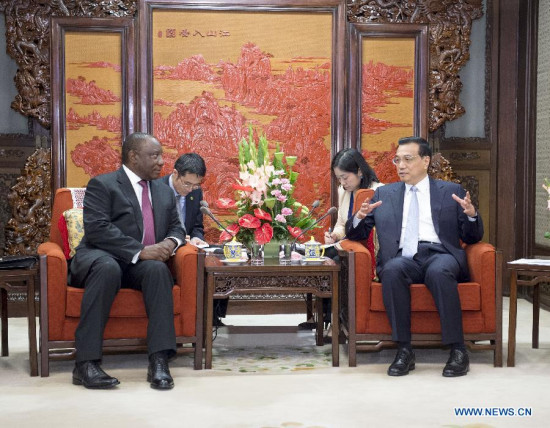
(62, 226)
(74, 224)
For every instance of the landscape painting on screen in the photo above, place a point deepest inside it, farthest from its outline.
(93, 105)
(215, 73)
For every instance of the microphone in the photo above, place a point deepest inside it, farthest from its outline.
(331, 210)
(315, 204)
(206, 210)
(203, 203)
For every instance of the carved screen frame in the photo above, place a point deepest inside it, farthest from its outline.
(60, 27)
(358, 33)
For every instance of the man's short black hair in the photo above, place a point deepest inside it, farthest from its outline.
(190, 163)
(424, 148)
(133, 142)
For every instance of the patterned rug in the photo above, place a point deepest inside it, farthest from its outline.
(271, 359)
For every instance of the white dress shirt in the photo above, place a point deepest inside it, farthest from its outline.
(426, 229)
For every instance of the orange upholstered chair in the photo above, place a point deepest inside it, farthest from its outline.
(366, 324)
(127, 325)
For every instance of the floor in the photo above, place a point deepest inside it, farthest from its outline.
(269, 380)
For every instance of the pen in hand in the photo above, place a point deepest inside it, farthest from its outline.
(328, 234)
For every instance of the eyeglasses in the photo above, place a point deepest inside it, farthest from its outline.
(407, 159)
(191, 185)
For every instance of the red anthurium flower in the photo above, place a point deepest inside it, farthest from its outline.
(249, 221)
(263, 234)
(225, 203)
(232, 229)
(243, 188)
(295, 231)
(262, 215)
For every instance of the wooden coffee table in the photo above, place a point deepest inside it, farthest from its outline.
(222, 280)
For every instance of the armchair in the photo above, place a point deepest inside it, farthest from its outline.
(364, 318)
(126, 329)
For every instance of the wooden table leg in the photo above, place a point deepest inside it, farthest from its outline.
(31, 316)
(536, 316)
(319, 341)
(4, 298)
(208, 326)
(512, 319)
(309, 306)
(335, 321)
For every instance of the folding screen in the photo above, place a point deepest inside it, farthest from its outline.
(93, 82)
(388, 96)
(211, 69)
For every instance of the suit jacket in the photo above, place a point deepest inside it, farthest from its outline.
(113, 222)
(343, 209)
(449, 220)
(193, 215)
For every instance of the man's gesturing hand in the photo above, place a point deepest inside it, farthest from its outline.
(466, 205)
(366, 208)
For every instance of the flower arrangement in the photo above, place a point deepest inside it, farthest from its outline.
(264, 206)
(546, 187)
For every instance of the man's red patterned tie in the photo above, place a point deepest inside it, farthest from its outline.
(147, 212)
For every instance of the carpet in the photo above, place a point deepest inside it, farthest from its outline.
(271, 360)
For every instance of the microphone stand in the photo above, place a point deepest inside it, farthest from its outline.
(314, 206)
(330, 211)
(205, 210)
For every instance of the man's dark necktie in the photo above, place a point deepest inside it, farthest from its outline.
(147, 212)
(410, 239)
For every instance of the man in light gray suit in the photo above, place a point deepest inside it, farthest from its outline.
(131, 228)
(426, 250)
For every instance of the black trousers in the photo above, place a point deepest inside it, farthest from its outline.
(220, 307)
(101, 285)
(436, 268)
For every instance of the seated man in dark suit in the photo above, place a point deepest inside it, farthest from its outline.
(420, 223)
(185, 182)
(127, 240)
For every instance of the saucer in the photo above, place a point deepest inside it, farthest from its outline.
(234, 262)
(315, 261)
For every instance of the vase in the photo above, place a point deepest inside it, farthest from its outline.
(271, 249)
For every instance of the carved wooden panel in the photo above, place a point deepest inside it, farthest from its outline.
(30, 201)
(450, 23)
(14, 151)
(226, 285)
(28, 43)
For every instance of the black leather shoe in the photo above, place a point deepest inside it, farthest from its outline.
(218, 322)
(458, 364)
(310, 324)
(403, 362)
(158, 373)
(90, 375)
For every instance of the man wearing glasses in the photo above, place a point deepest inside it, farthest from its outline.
(185, 181)
(420, 223)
